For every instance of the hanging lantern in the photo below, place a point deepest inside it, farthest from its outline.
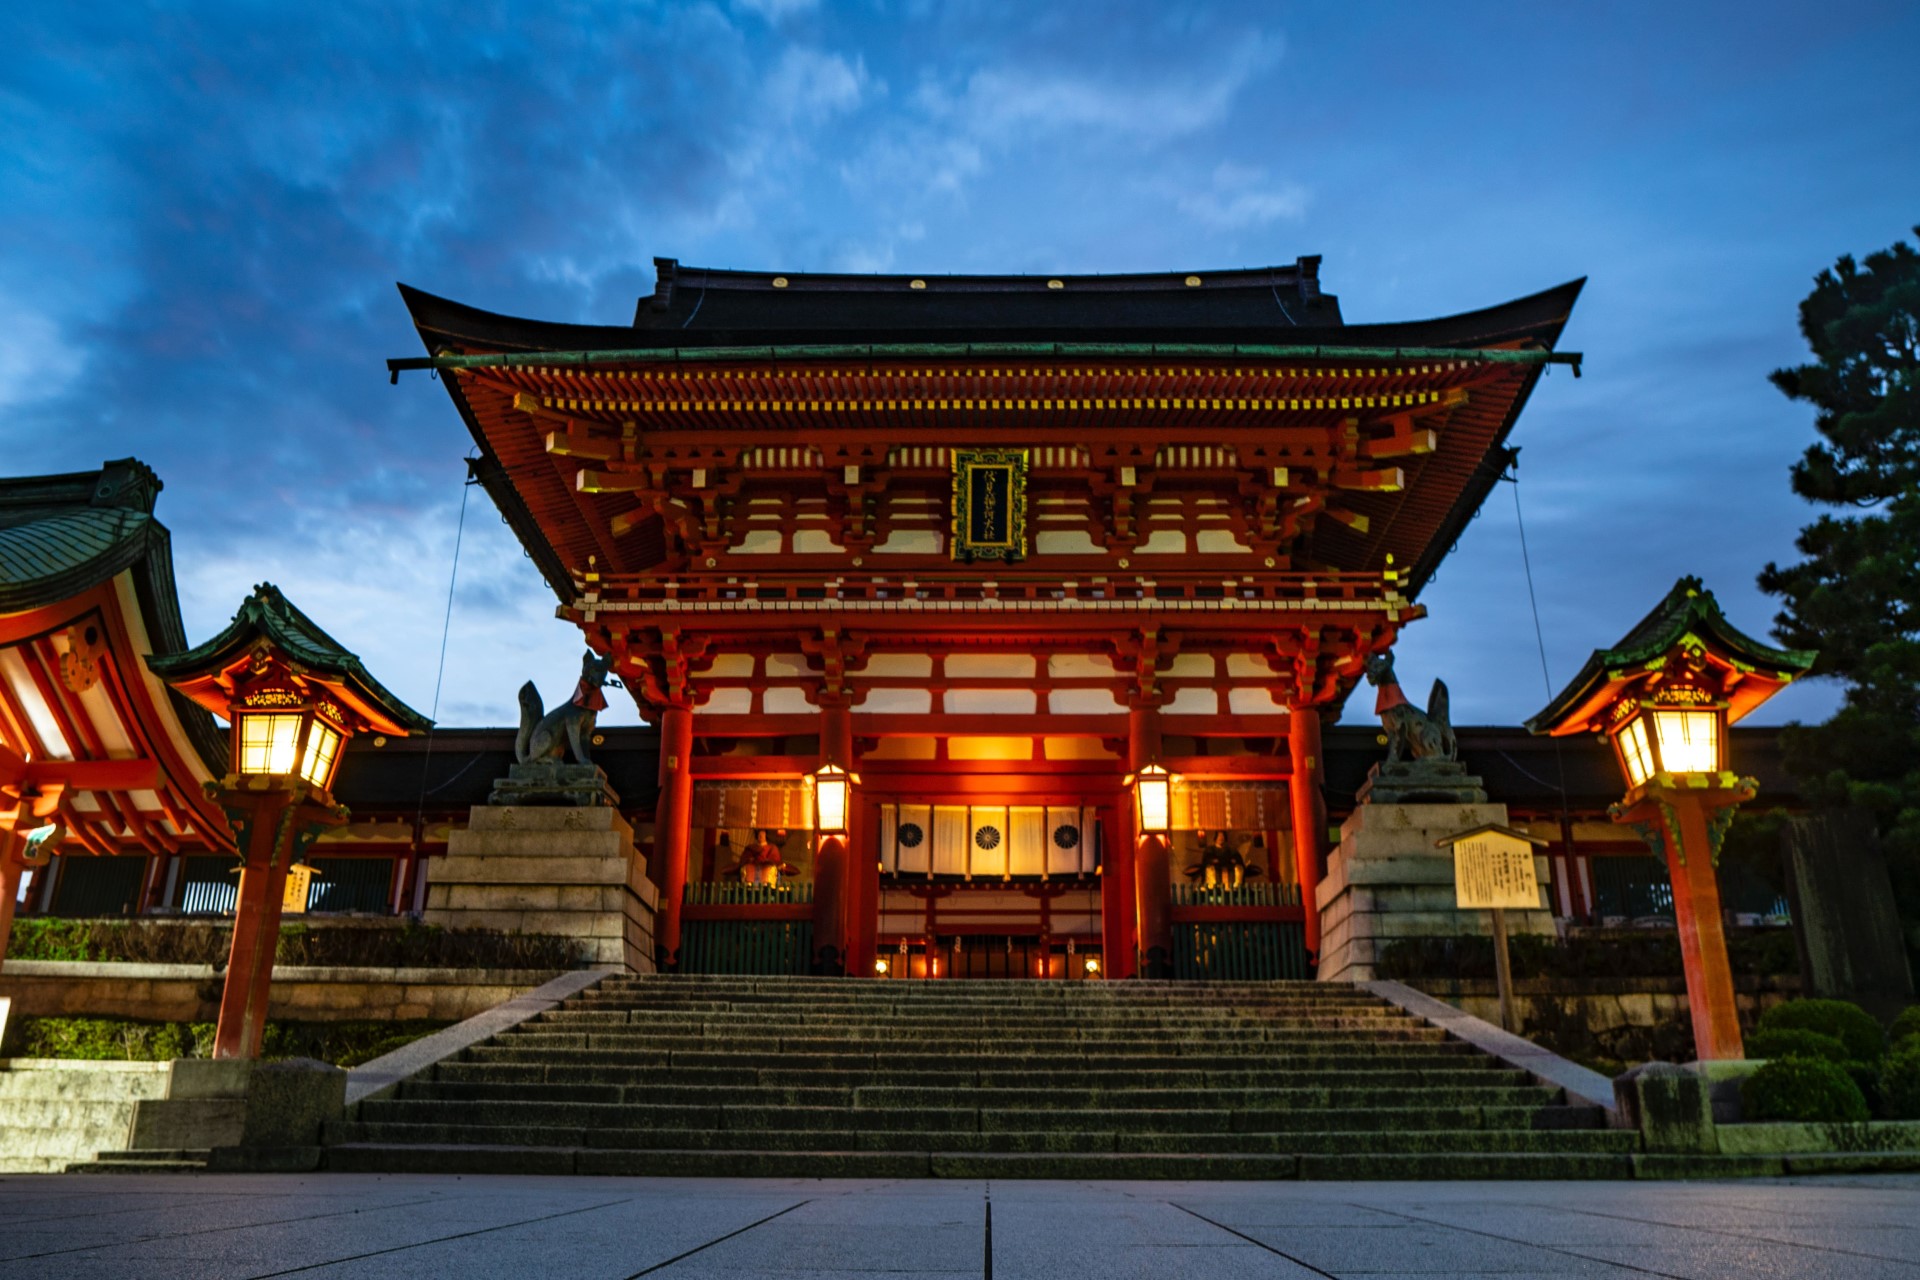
(1153, 800)
(832, 799)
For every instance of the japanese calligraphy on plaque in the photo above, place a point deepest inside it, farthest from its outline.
(989, 504)
(1494, 868)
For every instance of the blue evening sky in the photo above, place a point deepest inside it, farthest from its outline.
(203, 209)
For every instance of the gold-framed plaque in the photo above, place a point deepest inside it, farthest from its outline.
(989, 504)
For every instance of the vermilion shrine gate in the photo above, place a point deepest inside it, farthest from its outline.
(993, 544)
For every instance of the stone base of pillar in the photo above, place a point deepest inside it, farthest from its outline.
(573, 872)
(1388, 880)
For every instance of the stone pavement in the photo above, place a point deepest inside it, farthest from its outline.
(212, 1227)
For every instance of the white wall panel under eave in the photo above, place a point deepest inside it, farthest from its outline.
(992, 702)
(1253, 702)
(790, 664)
(787, 702)
(758, 542)
(815, 542)
(1017, 666)
(899, 665)
(1219, 542)
(1084, 702)
(1065, 542)
(728, 665)
(896, 702)
(728, 702)
(1080, 666)
(1193, 702)
(919, 542)
(1163, 542)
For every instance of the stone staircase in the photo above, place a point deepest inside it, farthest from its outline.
(826, 1077)
(55, 1112)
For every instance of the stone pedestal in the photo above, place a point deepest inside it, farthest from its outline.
(1388, 880)
(549, 869)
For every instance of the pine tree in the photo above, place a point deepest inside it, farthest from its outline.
(1856, 596)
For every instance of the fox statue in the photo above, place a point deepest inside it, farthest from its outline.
(1409, 732)
(547, 737)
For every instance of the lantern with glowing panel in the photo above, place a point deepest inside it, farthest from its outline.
(1153, 800)
(832, 799)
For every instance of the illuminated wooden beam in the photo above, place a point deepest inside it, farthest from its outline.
(577, 443)
(611, 482)
(1351, 519)
(1381, 480)
(1403, 442)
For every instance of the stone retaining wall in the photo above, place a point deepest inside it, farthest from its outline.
(191, 992)
(1624, 1018)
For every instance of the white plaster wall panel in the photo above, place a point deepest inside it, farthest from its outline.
(899, 665)
(787, 702)
(106, 723)
(814, 542)
(1062, 748)
(790, 664)
(1018, 666)
(1080, 666)
(728, 702)
(1248, 664)
(1189, 666)
(992, 702)
(923, 542)
(727, 666)
(1193, 702)
(1065, 542)
(896, 702)
(1084, 702)
(758, 542)
(1219, 542)
(1253, 702)
(1164, 542)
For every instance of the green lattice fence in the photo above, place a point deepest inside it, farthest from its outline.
(1238, 950)
(743, 944)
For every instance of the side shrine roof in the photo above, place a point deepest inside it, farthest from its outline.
(63, 535)
(270, 615)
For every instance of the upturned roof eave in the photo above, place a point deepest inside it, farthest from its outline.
(305, 643)
(1687, 608)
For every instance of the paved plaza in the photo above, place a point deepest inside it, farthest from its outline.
(214, 1227)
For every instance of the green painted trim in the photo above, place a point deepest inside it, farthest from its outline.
(940, 350)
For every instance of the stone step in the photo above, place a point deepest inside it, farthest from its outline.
(81, 1080)
(1316, 1141)
(1409, 1071)
(1526, 1166)
(1492, 1108)
(883, 1039)
(1137, 1095)
(1198, 1059)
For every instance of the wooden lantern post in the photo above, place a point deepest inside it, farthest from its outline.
(1664, 697)
(294, 698)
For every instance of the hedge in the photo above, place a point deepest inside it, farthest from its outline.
(1803, 1089)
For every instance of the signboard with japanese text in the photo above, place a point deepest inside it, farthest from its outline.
(1494, 870)
(299, 881)
(989, 504)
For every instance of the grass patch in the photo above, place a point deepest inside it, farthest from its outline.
(345, 1044)
(396, 946)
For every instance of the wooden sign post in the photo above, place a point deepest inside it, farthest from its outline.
(1492, 871)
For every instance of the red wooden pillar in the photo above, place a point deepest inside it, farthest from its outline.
(1153, 878)
(1117, 936)
(830, 872)
(863, 889)
(1309, 810)
(274, 826)
(673, 829)
(1682, 818)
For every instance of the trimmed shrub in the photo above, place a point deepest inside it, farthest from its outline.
(1803, 1089)
(345, 1044)
(1900, 1080)
(1848, 1023)
(1906, 1026)
(383, 946)
(1791, 1042)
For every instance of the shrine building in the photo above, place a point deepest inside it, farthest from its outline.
(995, 551)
